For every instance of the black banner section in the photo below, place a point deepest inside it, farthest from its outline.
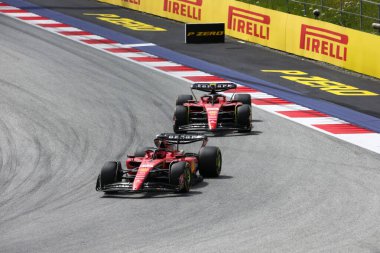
(204, 33)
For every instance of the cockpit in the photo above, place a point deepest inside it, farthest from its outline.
(213, 98)
(163, 147)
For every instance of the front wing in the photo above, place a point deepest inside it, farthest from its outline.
(147, 187)
(220, 127)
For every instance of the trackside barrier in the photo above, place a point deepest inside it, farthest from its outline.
(322, 41)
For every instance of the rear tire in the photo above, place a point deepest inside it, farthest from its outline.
(180, 175)
(181, 99)
(110, 173)
(140, 152)
(244, 117)
(243, 98)
(181, 117)
(210, 161)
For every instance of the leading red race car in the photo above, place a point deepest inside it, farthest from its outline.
(163, 168)
(213, 112)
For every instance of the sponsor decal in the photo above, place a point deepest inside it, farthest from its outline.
(217, 86)
(126, 22)
(184, 137)
(125, 185)
(185, 8)
(146, 164)
(132, 1)
(248, 22)
(208, 33)
(322, 41)
(193, 166)
(321, 83)
(144, 169)
(204, 33)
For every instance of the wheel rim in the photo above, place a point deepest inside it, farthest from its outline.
(187, 179)
(218, 163)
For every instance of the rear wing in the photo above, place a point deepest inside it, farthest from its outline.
(183, 138)
(213, 87)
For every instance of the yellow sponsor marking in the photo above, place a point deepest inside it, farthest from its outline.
(193, 167)
(321, 83)
(143, 169)
(208, 33)
(126, 22)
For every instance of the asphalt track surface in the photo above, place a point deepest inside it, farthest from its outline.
(67, 108)
(245, 58)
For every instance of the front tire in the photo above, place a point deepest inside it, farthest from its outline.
(210, 161)
(244, 118)
(140, 152)
(243, 98)
(181, 99)
(180, 175)
(110, 173)
(181, 117)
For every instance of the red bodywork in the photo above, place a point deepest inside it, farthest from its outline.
(155, 159)
(213, 110)
(161, 168)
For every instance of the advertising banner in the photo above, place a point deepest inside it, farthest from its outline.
(255, 24)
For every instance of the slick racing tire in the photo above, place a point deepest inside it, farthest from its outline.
(244, 118)
(181, 99)
(180, 175)
(110, 173)
(210, 161)
(140, 152)
(243, 98)
(181, 117)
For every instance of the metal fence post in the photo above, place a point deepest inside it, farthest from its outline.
(361, 14)
(341, 12)
(304, 8)
(378, 16)
(287, 5)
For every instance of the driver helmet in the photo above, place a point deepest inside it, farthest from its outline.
(215, 98)
(162, 144)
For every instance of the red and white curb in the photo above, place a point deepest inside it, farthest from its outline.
(316, 120)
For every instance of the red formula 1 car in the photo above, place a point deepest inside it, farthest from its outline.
(164, 168)
(213, 111)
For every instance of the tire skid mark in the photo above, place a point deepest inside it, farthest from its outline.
(8, 164)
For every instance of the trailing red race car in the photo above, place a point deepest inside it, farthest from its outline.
(213, 112)
(163, 168)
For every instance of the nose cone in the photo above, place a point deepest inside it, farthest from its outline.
(212, 115)
(137, 183)
(141, 175)
(212, 124)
